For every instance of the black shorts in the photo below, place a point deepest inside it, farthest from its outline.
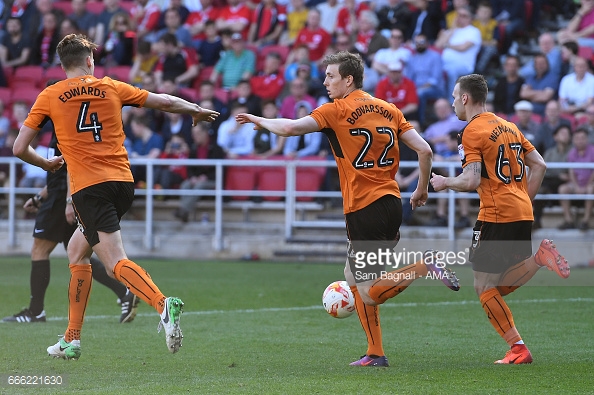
(497, 247)
(370, 229)
(100, 207)
(50, 222)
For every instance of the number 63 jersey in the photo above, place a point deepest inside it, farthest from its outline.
(363, 132)
(500, 147)
(87, 117)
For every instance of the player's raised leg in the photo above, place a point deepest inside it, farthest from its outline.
(547, 255)
(111, 251)
(519, 274)
(128, 301)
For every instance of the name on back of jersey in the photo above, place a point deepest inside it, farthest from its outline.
(369, 108)
(82, 90)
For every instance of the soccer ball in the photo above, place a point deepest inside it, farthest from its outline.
(338, 300)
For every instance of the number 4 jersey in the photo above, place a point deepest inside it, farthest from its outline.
(363, 133)
(500, 147)
(87, 117)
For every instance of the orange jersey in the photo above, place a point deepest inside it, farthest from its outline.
(87, 117)
(500, 147)
(363, 132)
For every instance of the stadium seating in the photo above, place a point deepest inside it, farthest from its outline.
(272, 179)
(121, 73)
(27, 76)
(97, 7)
(27, 95)
(54, 73)
(261, 53)
(18, 84)
(99, 71)
(240, 179)
(127, 5)
(64, 6)
(282, 50)
(5, 96)
(8, 71)
(189, 94)
(309, 179)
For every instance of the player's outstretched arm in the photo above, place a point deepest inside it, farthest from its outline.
(536, 172)
(281, 126)
(415, 142)
(22, 149)
(468, 181)
(168, 103)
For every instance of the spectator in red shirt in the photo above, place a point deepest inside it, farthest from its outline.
(145, 17)
(179, 65)
(268, 22)
(196, 22)
(399, 90)
(236, 16)
(269, 83)
(317, 39)
(347, 16)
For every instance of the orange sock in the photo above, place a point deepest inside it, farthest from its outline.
(500, 315)
(140, 283)
(517, 275)
(396, 281)
(79, 289)
(370, 321)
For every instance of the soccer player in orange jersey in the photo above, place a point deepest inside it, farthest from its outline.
(86, 113)
(495, 155)
(364, 132)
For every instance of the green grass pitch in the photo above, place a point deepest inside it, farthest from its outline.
(259, 328)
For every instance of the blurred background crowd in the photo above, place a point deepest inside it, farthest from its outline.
(263, 57)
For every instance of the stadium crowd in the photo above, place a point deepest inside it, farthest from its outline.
(262, 57)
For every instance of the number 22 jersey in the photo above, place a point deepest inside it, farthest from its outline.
(363, 133)
(87, 117)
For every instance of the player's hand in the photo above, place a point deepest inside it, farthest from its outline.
(30, 206)
(418, 198)
(248, 118)
(54, 163)
(204, 115)
(69, 214)
(438, 182)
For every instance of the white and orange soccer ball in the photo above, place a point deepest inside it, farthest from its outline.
(338, 300)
